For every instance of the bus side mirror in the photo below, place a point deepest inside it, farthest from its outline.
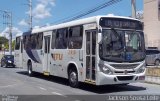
(99, 38)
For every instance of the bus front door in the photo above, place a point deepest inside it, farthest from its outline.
(90, 55)
(46, 62)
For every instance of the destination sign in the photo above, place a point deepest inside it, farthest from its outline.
(121, 23)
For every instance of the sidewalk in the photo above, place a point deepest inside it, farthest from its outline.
(153, 75)
(152, 79)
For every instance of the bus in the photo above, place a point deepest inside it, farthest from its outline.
(99, 50)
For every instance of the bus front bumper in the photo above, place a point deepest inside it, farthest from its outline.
(104, 79)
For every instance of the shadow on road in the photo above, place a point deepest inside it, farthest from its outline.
(110, 88)
(87, 87)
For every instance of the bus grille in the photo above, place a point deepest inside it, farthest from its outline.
(124, 78)
(124, 66)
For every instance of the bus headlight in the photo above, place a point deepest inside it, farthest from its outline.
(9, 61)
(141, 69)
(105, 70)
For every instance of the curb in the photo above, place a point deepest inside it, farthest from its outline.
(149, 82)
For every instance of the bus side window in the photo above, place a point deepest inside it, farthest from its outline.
(75, 37)
(17, 46)
(62, 38)
(33, 41)
(53, 39)
(24, 42)
(39, 41)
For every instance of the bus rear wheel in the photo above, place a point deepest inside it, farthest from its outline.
(30, 72)
(73, 78)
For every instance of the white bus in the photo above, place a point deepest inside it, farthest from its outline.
(98, 50)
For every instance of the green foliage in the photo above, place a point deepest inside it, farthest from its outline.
(13, 44)
(3, 40)
(6, 45)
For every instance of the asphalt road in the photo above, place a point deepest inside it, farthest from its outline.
(15, 81)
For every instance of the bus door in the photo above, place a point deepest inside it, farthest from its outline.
(90, 55)
(46, 62)
(18, 52)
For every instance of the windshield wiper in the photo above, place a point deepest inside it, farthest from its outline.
(115, 33)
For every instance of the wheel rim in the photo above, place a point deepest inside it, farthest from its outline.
(29, 69)
(73, 77)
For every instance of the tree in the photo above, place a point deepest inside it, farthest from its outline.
(6, 45)
(3, 40)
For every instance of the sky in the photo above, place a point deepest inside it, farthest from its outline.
(49, 12)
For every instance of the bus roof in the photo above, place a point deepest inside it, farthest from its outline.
(78, 22)
(19, 34)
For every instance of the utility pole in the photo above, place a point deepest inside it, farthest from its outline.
(133, 3)
(30, 14)
(10, 35)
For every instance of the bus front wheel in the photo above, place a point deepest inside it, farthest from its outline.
(73, 78)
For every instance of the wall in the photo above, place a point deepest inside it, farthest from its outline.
(152, 23)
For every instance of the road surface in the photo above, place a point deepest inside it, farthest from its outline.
(15, 81)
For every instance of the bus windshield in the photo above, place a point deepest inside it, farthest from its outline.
(122, 45)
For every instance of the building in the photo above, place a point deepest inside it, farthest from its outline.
(152, 23)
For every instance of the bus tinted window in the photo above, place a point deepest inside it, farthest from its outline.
(28, 43)
(53, 39)
(17, 46)
(61, 38)
(75, 37)
(33, 41)
(39, 41)
(152, 52)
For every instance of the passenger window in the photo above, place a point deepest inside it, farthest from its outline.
(75, 37)
(152, 52)
(62, 38)
(53, 39)
(17, 46)
(28, 42)
(39, 40)
(33, 41)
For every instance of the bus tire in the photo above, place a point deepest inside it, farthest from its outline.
(30, 72)
(73, 78)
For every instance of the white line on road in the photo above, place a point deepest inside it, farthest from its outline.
(8, 86)
(54, 89)
(55, 93)
(42, 88)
